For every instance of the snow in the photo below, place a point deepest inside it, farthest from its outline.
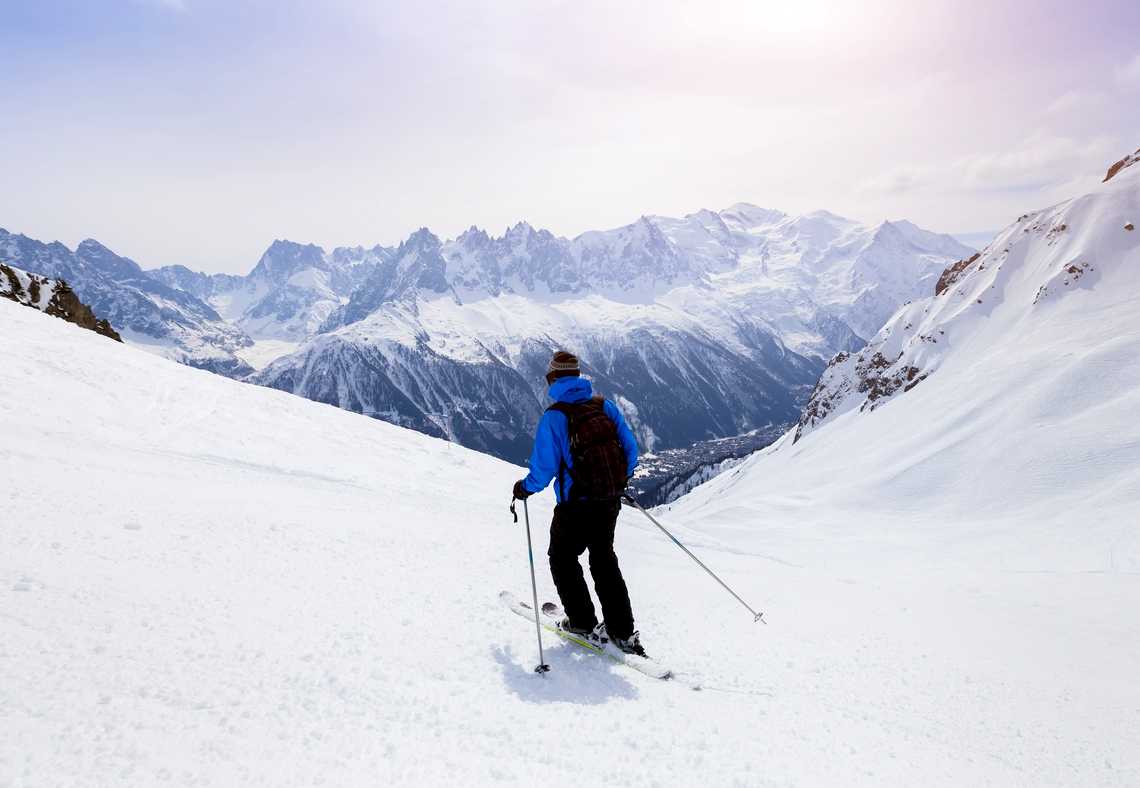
(205, 582)
(232, 304)
(991, 510)
(849, 272)
(23, 285)
(264, 351)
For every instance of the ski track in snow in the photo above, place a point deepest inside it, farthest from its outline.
(209, 583)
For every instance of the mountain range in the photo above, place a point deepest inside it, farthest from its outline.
(702, 327)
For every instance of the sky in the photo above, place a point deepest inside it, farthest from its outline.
(197, 131)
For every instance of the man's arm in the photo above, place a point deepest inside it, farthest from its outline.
(545, 457)
(625, 436)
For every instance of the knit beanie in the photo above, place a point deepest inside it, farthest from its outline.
(562, 365)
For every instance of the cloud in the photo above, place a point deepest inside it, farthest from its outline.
(1128, 75)
(898, 181)
(1076, 102)
(1039, 163)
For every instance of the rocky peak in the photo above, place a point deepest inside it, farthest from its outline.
(284, 258)
(422, 239)
(107, 262)
(473, 238)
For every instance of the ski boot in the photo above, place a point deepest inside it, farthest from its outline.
(566, 626)
(630, 645)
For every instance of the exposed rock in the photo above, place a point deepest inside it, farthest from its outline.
(1127, 161)
(1130, 227)
(1068, 275)
(953, 274)
(53, 297)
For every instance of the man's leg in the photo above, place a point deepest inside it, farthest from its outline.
(566, 544)
(608, 582)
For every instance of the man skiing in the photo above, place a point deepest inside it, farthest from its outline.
(584, 444)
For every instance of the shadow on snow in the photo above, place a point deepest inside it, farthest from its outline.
(575, 677)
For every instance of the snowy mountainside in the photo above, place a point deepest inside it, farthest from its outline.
(252, 593)
(703, 327)
(454, 371)
(52, 297)
(1004, 405)
(200, 285)
(157, 317)
(1050, 266)
(997, 500)
(288, 295)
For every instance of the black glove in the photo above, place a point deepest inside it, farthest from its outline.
(520, 491)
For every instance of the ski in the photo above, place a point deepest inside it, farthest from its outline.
(554, 613)
(548, 621)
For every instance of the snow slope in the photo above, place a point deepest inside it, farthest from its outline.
(994, 504)
(208, 583)
(1051, 301)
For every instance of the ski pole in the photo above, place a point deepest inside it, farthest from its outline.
(630, 500)
(542, 666)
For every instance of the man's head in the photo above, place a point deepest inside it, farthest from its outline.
(562, 365)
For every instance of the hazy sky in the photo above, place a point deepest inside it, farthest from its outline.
(197, 131)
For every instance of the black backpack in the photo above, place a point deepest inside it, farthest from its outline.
(600, 463)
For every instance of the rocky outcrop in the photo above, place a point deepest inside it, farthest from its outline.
(1046, 261)
(953, 274)
(157, 317)
(53, 297)
(1127, 161)
(869, 377)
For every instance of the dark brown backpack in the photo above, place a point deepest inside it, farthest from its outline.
(599, 461)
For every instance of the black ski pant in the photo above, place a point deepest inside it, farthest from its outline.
(579, 526)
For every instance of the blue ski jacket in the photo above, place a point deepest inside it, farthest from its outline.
(552, 443)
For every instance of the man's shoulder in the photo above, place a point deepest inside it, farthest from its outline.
(570, 407)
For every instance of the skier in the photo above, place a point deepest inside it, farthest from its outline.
(584, 443)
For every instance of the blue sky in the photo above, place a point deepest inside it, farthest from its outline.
(196, 131)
